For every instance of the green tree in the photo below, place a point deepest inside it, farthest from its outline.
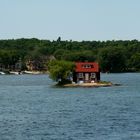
(135, 62)
(114, 56)
(112, 60)
(61, 71)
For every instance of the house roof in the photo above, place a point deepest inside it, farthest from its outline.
(87, 67)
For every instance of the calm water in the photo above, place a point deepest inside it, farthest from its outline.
(31, 109)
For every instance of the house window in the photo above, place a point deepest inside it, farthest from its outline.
(92, 75)
(87, 66)
(80, 75)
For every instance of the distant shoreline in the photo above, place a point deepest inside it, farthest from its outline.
(22, 72)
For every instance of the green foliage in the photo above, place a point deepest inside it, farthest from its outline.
(8, 57)
(114, 56)
(60, 70)
(62, 54)
(135, 62)
(112, 60)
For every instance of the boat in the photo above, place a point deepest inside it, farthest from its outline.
(2, 73)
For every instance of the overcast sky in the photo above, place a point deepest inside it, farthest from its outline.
(70, 19)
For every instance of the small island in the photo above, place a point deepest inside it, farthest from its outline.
(78, 74)
(98, 84)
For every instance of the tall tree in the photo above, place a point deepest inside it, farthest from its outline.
(61, 71)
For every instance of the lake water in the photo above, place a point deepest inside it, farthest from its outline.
(32, 109)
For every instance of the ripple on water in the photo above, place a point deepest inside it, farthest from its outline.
(31, 109)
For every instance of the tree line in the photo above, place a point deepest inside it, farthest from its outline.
(35, 54)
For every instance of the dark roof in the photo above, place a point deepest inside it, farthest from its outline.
(87, 67)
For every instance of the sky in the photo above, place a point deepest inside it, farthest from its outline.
(70, 19)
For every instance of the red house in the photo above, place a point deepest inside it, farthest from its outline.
(86, 72)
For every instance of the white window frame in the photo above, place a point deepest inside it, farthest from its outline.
(93, 75)
(80, 75)
(86, 66)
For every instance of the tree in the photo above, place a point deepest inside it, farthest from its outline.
(59, 39)
(135, 62)
(112, 60)
(61, 71)
(114, 56)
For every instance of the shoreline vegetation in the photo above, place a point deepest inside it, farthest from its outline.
(57, 57)
(32, 54)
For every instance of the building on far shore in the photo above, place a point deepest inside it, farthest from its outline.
(86, 72)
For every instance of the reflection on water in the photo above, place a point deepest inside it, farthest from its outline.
(31, 109)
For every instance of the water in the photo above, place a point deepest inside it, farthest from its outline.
(32, 109)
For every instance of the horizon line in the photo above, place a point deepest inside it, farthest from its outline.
(101, 40)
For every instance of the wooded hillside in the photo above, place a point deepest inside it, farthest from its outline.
(34, 54)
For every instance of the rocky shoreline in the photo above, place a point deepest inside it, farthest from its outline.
(99, 84)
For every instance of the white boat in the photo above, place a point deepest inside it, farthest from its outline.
(2, 73)
(14, 72)
(32, 72)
